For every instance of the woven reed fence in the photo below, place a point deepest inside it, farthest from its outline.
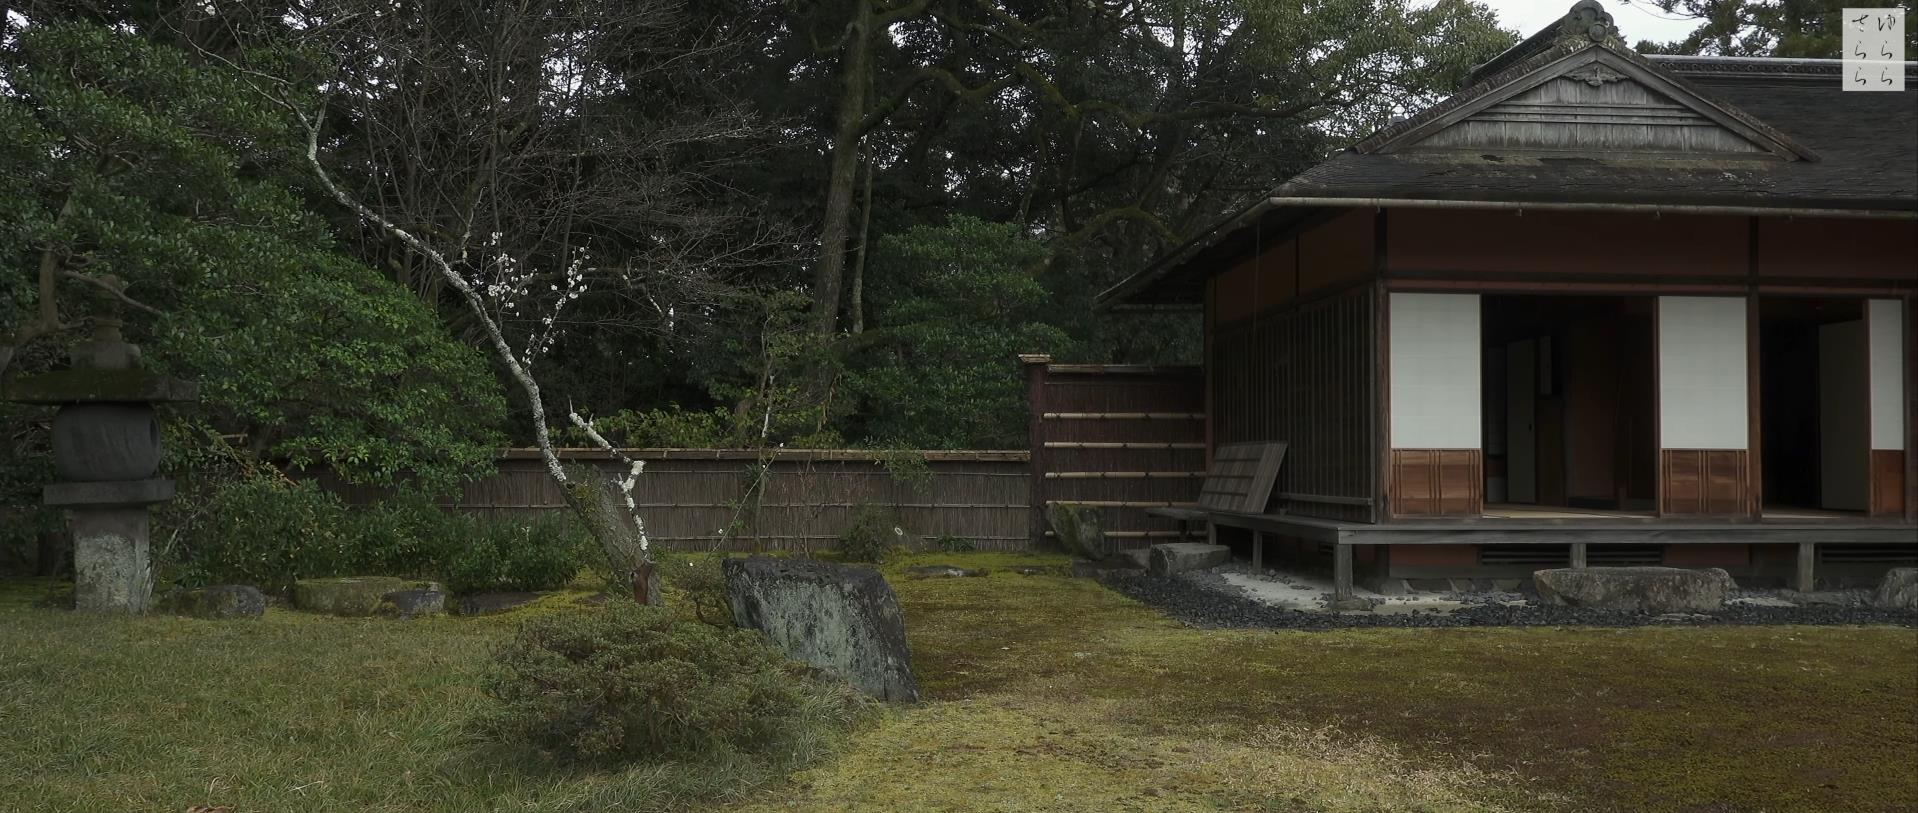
(1115, 438)
(706, 499)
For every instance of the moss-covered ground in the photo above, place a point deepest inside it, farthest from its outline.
(1052, 693)
(1046, 693)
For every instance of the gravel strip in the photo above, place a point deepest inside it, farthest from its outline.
(1214, 604)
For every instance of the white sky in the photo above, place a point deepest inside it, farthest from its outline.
(1637, 20)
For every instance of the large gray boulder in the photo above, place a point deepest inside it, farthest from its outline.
(1899, 590)
(1172, 558)
(1636, 589)
(1077, 529)
(844, 621)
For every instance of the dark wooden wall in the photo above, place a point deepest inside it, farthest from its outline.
(1119, 439)
(1306, 374)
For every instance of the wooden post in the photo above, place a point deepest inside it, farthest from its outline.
(1211, 533)
(1036, 441)
(1341, 574)
(1258, 553)
(1807, 557)
(1578, 554)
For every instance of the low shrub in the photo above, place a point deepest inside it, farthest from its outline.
(871, 535)
(955, 544)
(542, 554)
(410, 535)
(701, 584)
(630, 681)
(269, 533)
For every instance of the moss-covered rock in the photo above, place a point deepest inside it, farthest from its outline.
(217, 601)
(1077, 529)
(414, 603)
(351, 596)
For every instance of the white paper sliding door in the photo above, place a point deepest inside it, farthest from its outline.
(1704, 407)
(1703, 401)
(1434, 357)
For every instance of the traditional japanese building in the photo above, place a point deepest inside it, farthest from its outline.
(1596, 307)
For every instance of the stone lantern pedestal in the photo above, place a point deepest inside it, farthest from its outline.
(106, 451)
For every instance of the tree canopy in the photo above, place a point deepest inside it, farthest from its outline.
(809, 221)
(148, 187)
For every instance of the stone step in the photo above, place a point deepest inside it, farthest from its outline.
(1172, 558)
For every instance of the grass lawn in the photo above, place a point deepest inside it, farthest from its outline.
(1047, 694)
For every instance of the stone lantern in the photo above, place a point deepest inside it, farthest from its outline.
(106, 452)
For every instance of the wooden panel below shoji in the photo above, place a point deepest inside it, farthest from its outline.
(1887, 482)
(1437, 483)
(1705, 482)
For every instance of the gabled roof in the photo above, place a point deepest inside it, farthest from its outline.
(1572, 119)
(1608, 93)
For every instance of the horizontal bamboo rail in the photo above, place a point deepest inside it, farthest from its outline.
(1123, 475)
(1068, 444)
(1125, 416)
(1144, 534)
(783, 455)
(1124, 503)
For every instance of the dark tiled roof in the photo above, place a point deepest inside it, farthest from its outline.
(1866, 145)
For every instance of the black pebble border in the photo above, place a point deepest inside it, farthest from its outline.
(1200, 606)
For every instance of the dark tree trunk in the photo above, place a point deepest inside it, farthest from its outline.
(843, 174)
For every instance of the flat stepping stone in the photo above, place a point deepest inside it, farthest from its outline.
(413, 603)
(1173, 558)
(217, 601)
(353, 596)
(941, 572)
(1654, 590)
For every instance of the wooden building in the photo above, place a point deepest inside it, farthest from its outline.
(1596, 307)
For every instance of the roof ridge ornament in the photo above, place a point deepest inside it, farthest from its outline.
(1595, 74)
(1588, 21)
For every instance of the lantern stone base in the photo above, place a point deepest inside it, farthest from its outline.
(111, 571)
(110, 566)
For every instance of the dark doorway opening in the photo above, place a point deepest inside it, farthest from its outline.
(1570, 403)
(1813, 427)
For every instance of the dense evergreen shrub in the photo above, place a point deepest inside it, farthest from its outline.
(269, 533)
(632, 681)
(516, 555)
(410, 535)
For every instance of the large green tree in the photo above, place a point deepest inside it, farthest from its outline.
(1121, 127)
(144, 184)
(1806, 29)
(939, 368)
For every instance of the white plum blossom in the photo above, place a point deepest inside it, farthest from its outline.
(505, 283)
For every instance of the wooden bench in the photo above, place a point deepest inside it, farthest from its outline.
(1237, 488)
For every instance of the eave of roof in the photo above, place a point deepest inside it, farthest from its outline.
(1290, 209)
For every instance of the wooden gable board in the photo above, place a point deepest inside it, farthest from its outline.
(1595, 100)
